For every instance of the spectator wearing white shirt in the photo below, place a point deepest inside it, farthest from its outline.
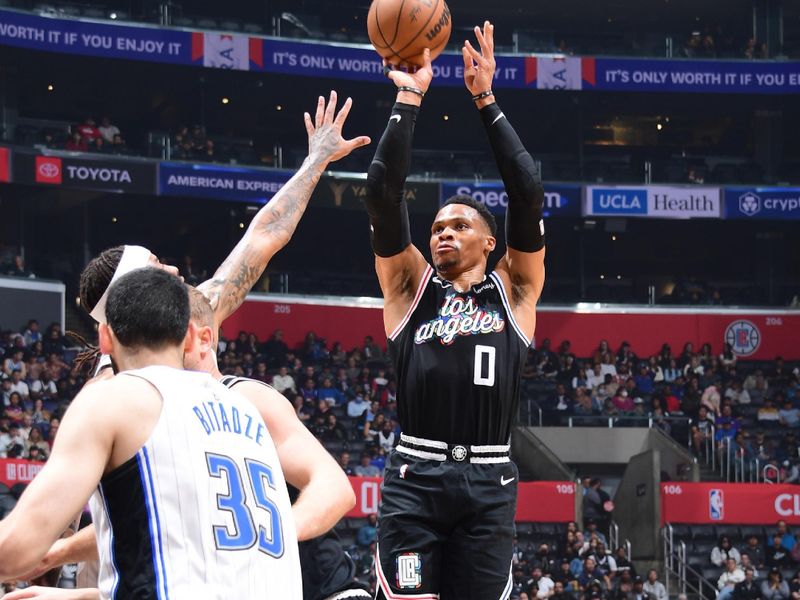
(108, 130)
(19, 386)
(44, 388)
(32, 333)
(596, 376)
(15, 363)
(544, 585)
(5, 442)
(357, 407)
(654, 587)
(728, 580)
(737, 394)
(723, 551)
(283, 381)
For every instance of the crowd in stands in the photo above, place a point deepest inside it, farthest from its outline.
(87, 136)
(715, 42)
(348, 400)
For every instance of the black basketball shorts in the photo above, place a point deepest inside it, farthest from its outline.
(446, 529)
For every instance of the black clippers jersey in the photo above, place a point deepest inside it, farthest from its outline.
(459, 357)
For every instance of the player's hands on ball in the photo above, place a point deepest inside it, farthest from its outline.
(416, 77)
(479, 67)
(325, 141)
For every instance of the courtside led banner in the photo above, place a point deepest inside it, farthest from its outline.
(775, 204)
(734, 503)
(360, 62)
(653, 201)
(560, 200)
(753, 334)
(14, 471)
(540, 501)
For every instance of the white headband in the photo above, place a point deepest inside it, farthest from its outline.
(134, 257)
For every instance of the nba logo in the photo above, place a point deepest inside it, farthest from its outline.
(716, 505)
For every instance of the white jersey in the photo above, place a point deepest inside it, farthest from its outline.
(202, 510)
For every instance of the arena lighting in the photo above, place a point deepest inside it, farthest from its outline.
(241, 225)
(613, 238)
(446, 117)
(225, 100)
(619, 277)
(113, 15)
(113, 219)
(50, 87)
(279, 107)
(659, 127)
(602, 276)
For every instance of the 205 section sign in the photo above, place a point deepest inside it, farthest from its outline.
(740, 503)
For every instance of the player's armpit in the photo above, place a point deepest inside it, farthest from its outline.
(399, 277)
(62, 488)
(325, 492)
(523, 275)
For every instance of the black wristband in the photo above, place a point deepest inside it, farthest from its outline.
(412, 90)
(482, 95)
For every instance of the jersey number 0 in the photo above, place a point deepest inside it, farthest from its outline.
(245, 531)
(484, 376)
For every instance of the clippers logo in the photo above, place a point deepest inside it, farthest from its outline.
(716, 505)
(749, 204)
(409, 571)
(744, 337)
(48, 170)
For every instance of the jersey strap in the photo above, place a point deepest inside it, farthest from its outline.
(418, 296)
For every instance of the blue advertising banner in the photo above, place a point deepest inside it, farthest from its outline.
(777, 204)
(655, 201)
(649, 75)
(361, 63)
(220, 183)
(561, 200)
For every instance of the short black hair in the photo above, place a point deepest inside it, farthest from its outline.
(478, 206)
(148, 308)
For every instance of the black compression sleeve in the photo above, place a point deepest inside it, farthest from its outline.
(386, 178)
(523, 182)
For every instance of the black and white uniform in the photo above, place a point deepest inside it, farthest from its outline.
(328, 572)
(449, 492)
(201, 511)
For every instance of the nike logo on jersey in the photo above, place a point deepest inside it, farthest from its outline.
(396, 118)
(504, 481)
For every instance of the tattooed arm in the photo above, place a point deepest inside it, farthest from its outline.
(273, 226)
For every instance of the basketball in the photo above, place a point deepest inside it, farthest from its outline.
(400, 30)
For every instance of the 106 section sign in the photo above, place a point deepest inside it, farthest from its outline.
(740, 503)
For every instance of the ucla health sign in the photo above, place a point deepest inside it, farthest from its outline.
(778, 204)
(559, 200)
(654, 201)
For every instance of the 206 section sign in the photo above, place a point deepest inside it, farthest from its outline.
(740, 503)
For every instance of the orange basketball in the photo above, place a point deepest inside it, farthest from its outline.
(400, 30)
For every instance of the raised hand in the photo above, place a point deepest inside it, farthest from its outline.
(325, 141)
(479, 67)
(416, 77)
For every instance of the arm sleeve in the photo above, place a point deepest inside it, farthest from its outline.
(386, 205)
(523, 182)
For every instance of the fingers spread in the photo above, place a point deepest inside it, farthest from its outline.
(320, 112)
(467, 58)
(331, 110)
(358, 142)
(474, 54)
(342, 116)
(309, 124)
